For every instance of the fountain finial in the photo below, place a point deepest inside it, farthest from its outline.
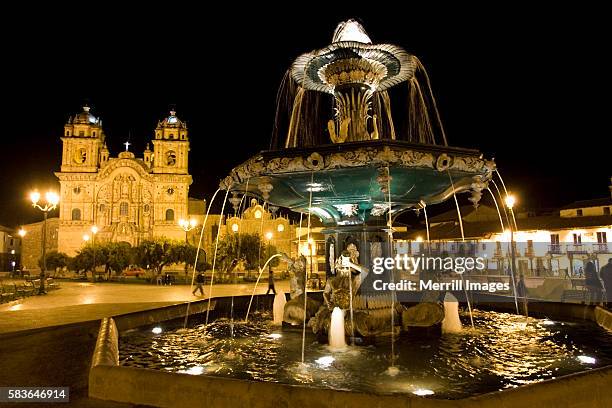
(351, 30)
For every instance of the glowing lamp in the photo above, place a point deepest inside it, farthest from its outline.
(52, 198)
(35, 197)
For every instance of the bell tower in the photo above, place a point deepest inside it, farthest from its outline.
(171, 146)
(82, 141)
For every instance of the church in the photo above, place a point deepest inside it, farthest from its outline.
(128, 198)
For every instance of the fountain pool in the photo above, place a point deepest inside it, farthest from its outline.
(503, 351)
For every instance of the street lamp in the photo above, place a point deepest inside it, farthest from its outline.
(94, 231)
(188, 226)
(22, 233)
(51, 202)
(510, 201)
(269, 236)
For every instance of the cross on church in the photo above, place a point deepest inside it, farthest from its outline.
(127, 146)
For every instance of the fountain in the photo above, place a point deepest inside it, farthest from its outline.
(356, 168)
(451, 322)
(278, 308)
(362, 171)
(336, 332)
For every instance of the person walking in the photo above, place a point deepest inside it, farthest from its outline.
(592, 283)
(271, 282)
(606, 276)
(199, 284)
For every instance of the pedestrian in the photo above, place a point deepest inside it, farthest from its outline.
(271, 282)
(199, 284)
(606, 276)
(592, 283)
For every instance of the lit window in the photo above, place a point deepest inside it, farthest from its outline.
(258, 214)
(169, 214)
(235, 227)
(280, 228)
(123, 209)
(76, 214)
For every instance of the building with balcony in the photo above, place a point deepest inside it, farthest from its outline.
(555, 244)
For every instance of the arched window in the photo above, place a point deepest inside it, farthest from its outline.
(123, 209)
(94, 134)
(169, 214)
(76, 214)
(67, 133)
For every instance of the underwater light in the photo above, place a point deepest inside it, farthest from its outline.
(275, 336)
(195, 370)
(586, 359)
(547, 322)
(421, 392)
(325, 361)
(157, 330)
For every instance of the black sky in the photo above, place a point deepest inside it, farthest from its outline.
(527, 87)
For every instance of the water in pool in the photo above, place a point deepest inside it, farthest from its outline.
(504, 350)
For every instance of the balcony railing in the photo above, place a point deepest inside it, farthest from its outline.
(601, 247)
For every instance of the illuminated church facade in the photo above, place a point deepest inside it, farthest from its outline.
(128, 198)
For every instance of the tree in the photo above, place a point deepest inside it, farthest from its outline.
(117, 255)
(246, 248)
(155, 254)
(55, 260)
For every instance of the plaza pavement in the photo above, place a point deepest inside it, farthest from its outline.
(49, 340)
(77, 302)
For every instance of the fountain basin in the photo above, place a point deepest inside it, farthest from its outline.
(354, 174)
(162, 387)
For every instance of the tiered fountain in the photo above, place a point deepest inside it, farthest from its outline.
(338, 154)
(359, 172)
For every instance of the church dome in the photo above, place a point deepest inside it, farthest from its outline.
(86, 117)
(172, 121)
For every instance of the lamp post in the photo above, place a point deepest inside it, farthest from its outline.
(94, 231)
(187, 225)
(510, 201)
(22, 233)
(269, 237)
(51, 202)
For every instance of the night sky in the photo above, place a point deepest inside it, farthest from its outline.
(524, 87)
